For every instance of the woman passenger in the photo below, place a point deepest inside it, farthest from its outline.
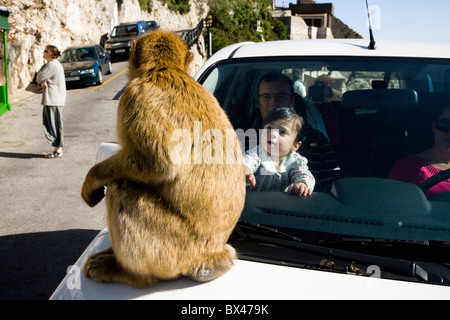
(419, 167)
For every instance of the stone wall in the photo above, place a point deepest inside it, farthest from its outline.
(63, 23)
(296, 27)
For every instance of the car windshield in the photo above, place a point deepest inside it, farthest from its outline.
(124, 31)
(152, 24)
(373, 111)
(78, 54)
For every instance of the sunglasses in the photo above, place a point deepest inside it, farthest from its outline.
(443, 125)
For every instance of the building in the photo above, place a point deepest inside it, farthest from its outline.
(316, 18)
(319, 15)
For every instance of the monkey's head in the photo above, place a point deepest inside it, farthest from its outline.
(159, 49)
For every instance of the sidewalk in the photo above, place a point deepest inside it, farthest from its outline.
(45, 225)
(22, 95)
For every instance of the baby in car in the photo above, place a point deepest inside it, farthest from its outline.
(274, 165)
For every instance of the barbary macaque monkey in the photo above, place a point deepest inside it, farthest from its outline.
(166, 217)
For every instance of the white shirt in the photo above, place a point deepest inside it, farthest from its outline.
(53, 75)
(292, 169)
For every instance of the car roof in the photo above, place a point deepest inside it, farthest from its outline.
(130, 23)
(80, 46)
(331, 47)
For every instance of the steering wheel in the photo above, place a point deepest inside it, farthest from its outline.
(430, 182)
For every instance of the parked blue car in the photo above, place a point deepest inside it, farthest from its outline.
(86, 64)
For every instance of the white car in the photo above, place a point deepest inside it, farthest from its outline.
(363, 237)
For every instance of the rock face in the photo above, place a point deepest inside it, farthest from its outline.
(63, 23)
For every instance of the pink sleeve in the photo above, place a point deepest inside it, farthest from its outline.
(415, 170)
(410, 169)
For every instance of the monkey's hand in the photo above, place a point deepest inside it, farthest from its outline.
(94, 197)
(93, 189)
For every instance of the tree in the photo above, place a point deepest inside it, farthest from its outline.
(243, 20)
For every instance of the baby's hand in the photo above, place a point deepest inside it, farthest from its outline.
(300, 189)
(250, 177)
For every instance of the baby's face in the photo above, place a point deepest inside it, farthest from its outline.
(278, 138)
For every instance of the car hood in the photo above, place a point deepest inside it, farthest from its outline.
(78, 65)
(245, 280)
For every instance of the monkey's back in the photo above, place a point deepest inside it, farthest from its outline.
(192, 208)
(168, 217)
(173, 102)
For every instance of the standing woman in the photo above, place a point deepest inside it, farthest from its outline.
(52, 81)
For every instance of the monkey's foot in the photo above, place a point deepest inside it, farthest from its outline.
(214, 266)
(103, 267)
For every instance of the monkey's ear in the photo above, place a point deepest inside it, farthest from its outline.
(133, 44)
(134, 55)
(189, 58)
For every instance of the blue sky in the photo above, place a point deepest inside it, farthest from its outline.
(394, 19)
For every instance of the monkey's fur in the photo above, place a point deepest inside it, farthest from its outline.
(165, 219)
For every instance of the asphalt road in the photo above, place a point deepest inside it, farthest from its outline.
(45, 225)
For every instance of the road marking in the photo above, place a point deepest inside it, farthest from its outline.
(95, 88)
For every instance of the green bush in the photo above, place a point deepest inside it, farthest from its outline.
(182, 6)
(145, 5)
(243, 20)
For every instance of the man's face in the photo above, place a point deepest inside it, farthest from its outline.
(273, 95)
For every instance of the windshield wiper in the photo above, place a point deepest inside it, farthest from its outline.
(374, 241)
(427, 271)
(264, 230)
